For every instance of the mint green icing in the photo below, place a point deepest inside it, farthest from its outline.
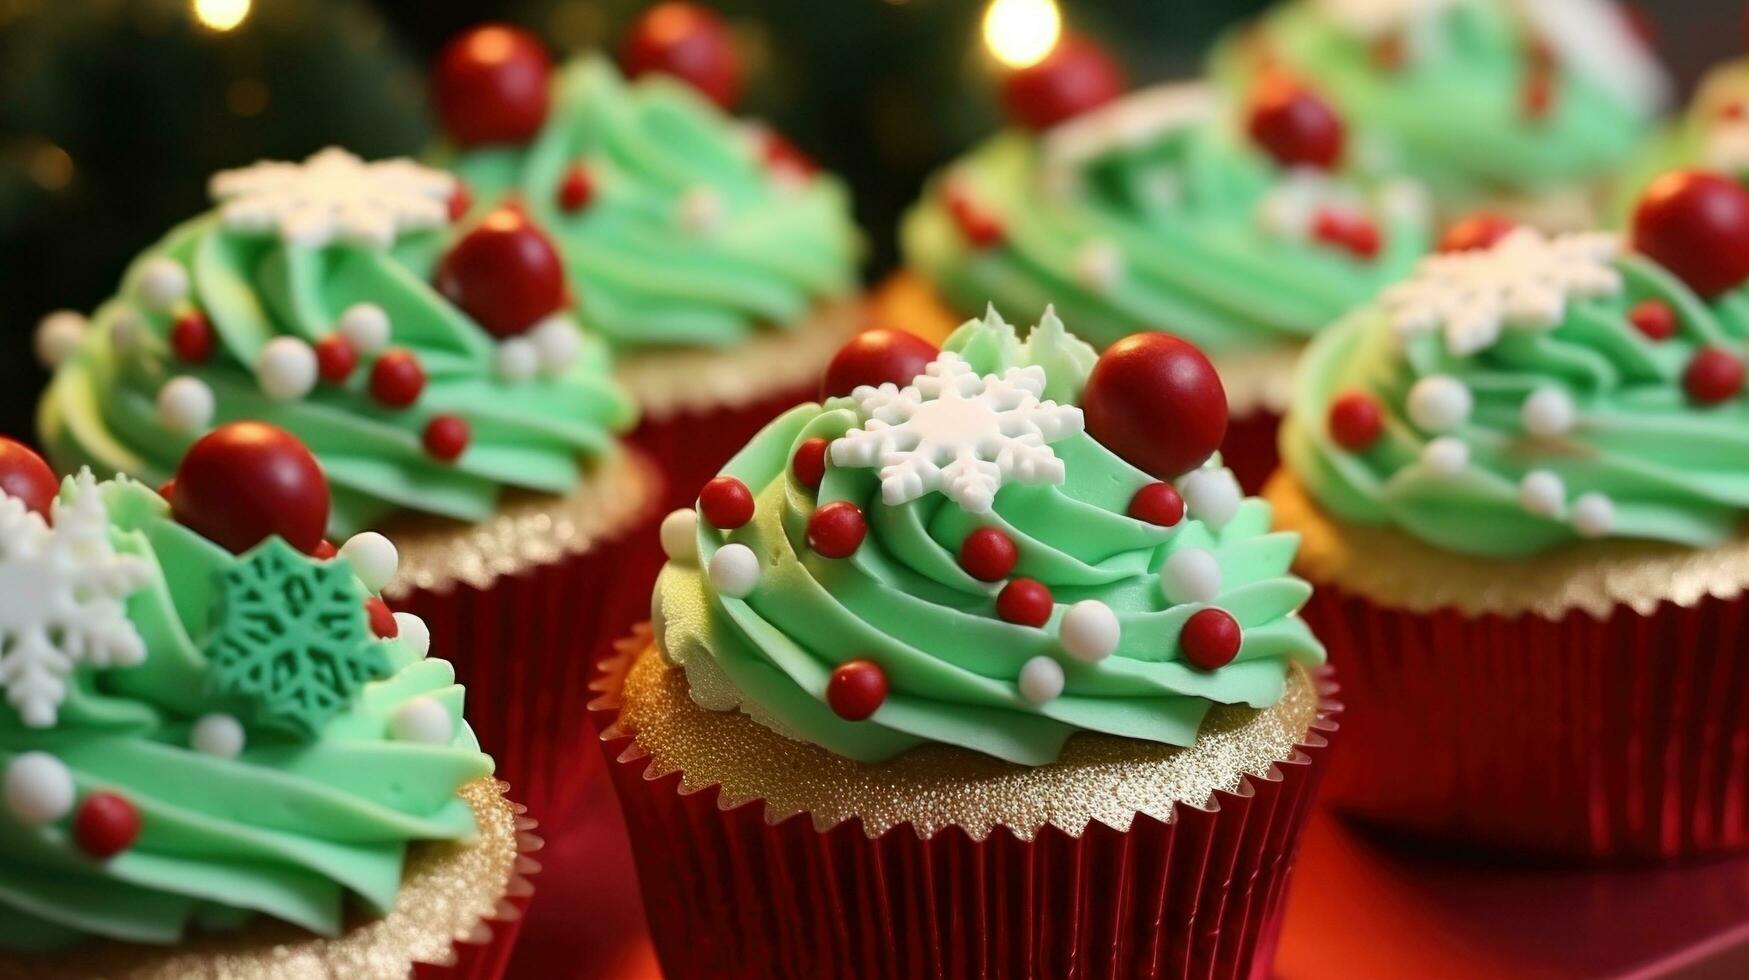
(539, 434)
(645, 273)
(292, 829)
(903, 601)
(1181, 211)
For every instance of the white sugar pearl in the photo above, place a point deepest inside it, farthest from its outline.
(1593, 515)
(39, 789)
(1549, 412)
(735, 571)
(185, 405)
(1041, 680)
(1212, 495)
(218, 735)
(1446, 456)
(286, 369)
(58, 336)
(366, 326)
(1439, 404)
(517, 360)
(423, 720)
(700, 210)
(125, 332)
(373, 559)
(1089, 631)
(557, 343)
(680, 536)
(1190, 575)
(1542, 493)
(412, 631)
(1099, 266)
(163, 283)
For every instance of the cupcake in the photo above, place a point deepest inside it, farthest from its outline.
(439, 375)
(707, 252)
(1522, 108)
(220, 754)
(1521, 480)
(1153, 211)
(958, 659)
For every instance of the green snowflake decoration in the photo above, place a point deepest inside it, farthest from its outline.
(291, 636)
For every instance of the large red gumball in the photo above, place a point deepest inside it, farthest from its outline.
(24, 475)
(245, 481)
(1696, 224)
(1075, 77)
(505, 273)
(1294, 124)
(492, 84)
(1156, 401)
(688, 42)
(875, 356)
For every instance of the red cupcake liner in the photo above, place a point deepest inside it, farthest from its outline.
(729, 894)
(1251, 449)
(1596, 739)
(692, 447)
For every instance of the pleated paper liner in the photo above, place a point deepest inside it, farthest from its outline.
(456, 918)
(1590, 704)
(524, 603)
(763, 857)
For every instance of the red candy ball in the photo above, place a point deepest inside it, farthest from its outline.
(492, 85)
(1156, 401)
(24, 475)
(1210, 638)
(1354, 234)
(688, 42)
(726, 503)
(505, 273)
(382, 619)
(1356, 421)
(1654, 318)
(1696, 224)
(192, 338)
(575, 189)
(856, 689)
(988, 555)
(244, 481)
(1294, 124)
(809, 464)
(325, 550)
(397, 378)
(783, 156)
(446, 437)
(461, 201)
(875, 356)
(1075, 77)
(836, 529)
(980, 228)
(1025, 601)
(105, 824)
(335, 358)
(1158, 503)
(1478, 231)
(1713, 376)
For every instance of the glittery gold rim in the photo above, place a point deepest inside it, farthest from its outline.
(451, 893)
(529, 530)
(1099, 778)
(670, 382)
(1391, 568)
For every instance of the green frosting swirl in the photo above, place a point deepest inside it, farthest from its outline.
(903, 601)
(288, 829)
(1637, 457)
(689, 237)
(1188, 218)
(538, 434)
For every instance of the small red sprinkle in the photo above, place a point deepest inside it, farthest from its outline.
(382, 621)
(106, 824)
(1210, 639)
(809, 464)
(1158, 503)
(397, 378)
(726, 503)
(836, 530)
(461, 200)
(988, 555)
(167, 488)
(335, 358)
(1481, 230)
(783, 156)
(1356, 421)
(1654, 318)
(1539, 94)
(856, 689)
(191, 337)
(980, 228)
(575, 188)
(446, 436)
(324, 550)
(1025, 601)
(1355, 234)
(1713, 376)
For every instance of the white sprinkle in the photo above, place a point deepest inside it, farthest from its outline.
(1542, 493)
(38, 789)
(163, 283)
(423, 720)
(218, 735)
(366, 326)
(125, 332)
(1099, 266)
(1439, 403)
(185, 405)
(412, 631)
(1190, 575)
(58, 336)
(1041, 680)
(1446, 456)
(735, 571)
(700, 210)
(286, 369)
(1549, 412)
(517, 360)
(557, 343)
(679, 535)
(373, 558)
(1593, 515)
(1089, 631)
(1212, 495)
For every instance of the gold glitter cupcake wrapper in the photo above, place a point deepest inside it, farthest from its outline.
(450, 893)
(1099, 778)
(1391, 568)
(528, 531)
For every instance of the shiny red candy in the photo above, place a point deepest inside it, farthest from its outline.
(1294, 124)
(575, 188)
(1481, 230)
(836, 530)
(1025, 601)
(492, 84)
(1075, 77)
(688, 42)
(397, 378)
(382, 619)
(245, 481)
(325, 550)
(446, 437)
(1696, 224)
(105, 824)
(192, 338)
(1210, 639)
(1356, 421)
(1713, 376)
(876, 356)
(1355, 234)
(856, 689)
(504, 272)
(335, 358)
(809, 464)
(461, 201)
(1158, 503)
(1156, 401)
(980, 228)
(726, 503)
(988, 555)
(1654, 318)
(24, 475)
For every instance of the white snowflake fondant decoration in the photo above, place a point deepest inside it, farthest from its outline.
(1524, 281)
(334, 196)
(63, 591)
(958, 432)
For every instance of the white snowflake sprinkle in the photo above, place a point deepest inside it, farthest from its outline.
(334, 196)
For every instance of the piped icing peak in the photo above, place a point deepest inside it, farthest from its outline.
(985, 574)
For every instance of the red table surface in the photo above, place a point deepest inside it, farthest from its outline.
(1359, 908)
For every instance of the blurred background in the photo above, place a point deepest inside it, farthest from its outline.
(114, 112)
